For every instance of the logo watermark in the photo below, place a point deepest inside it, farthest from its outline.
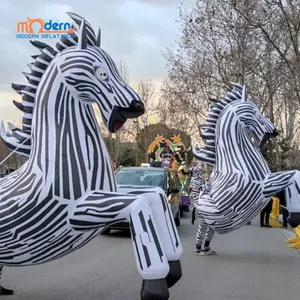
(46, 30)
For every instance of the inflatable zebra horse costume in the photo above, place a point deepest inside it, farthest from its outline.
(65, 194)
(241, 183)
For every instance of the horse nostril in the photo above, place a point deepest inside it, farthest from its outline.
(137, 106)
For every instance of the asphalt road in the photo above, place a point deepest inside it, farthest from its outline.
(253, 263)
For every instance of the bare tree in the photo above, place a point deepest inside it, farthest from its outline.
(253, 42)
(147, 92)
(13, 162)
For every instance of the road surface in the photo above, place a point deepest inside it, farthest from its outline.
(253, 263)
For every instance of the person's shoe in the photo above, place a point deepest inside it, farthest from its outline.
(197, 250)
(204, 253)
(210, 251)
(262, 225)
(268, 226)
(4, 291)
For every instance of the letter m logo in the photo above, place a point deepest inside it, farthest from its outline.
(22, 27)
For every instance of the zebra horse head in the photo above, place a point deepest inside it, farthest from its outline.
(249, 121)
(257, 126)
(89, 75)
(93, 77)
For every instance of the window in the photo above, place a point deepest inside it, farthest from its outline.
(141, 177)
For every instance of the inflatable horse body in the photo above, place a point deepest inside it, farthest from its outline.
(65, 194)
(241, 183)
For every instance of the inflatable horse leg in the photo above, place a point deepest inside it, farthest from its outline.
(4, 291)
(290, 181)
(167, 231)
(101, 209)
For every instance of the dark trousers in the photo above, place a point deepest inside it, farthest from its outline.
(285, 215)
(265, 214)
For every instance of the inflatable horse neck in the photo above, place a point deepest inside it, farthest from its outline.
(236, 147)
(241, 130)
(76, 143)
(65, 128)
(238, 115)
(66, 141)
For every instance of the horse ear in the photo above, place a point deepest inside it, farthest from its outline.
(244, 96)
(98, 38)
(82, 36)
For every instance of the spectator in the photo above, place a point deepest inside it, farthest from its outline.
(265, 215)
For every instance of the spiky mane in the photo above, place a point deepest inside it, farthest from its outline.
(207, 154)
(19, 139)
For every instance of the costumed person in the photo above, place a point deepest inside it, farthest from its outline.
(183, 173)
(179, 156)
(166, 157)
(265, 215)
(196, 184)
(171, 162)
(205, 233)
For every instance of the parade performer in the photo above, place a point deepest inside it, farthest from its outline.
(179, 157)
(204, 233)
(241, 183)
(66, 192)
(183, 176)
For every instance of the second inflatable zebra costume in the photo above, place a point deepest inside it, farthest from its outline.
(241, 183)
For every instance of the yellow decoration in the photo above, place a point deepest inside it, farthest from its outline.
(177, 139)
(295, 241)
(158, 139)
(295, 246)
(274, 216)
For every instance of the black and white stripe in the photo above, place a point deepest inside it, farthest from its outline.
(241, 182)
(65, 194)
(204, 232)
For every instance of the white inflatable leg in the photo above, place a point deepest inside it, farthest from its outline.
(167, 231)
(100, 209)
(149, 253)
(150, 256)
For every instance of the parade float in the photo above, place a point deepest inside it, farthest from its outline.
(172, 153)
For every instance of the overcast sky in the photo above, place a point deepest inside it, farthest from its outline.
(132, 31)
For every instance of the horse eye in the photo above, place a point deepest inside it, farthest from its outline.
(102, 73)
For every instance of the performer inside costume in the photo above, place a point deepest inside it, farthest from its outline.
(205, 233)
